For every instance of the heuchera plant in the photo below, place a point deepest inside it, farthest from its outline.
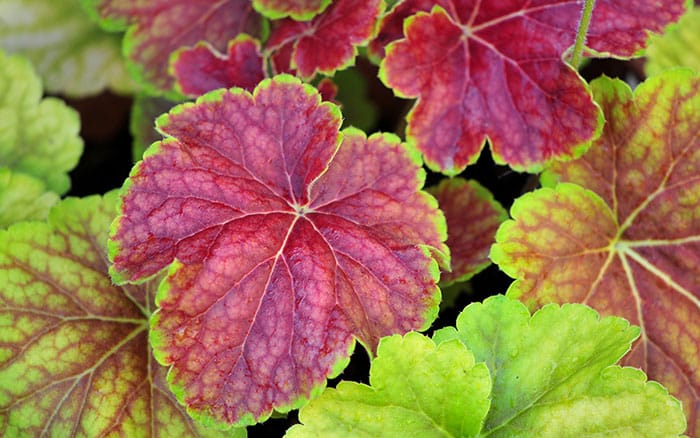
(268, 226)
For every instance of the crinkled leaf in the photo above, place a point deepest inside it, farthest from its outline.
(552, 373)
(38, 137)
(302, 10)
(202, 68)
(473, 217)
(71, 53)
(144, 112)
(632, 248)
(415, 387)
(391, 25)
(549, 375)
(157, 28)
(287, 246)
(495, 70)
(328, 42)
(677, 47)
(23, 197)
(74, 355)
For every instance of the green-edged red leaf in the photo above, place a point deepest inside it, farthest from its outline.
(158, 28)
(74, 354)
(391, 24)
(495, 70)
(287, 245)
(328, 42)
(302, 10)
(416, 386)
(554, 375)
(632, 248)
(202, 68)
(473, 217)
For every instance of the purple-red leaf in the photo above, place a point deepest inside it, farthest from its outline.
(202, 68)
(157, 28)
(495, 70)
(473, 217)
(287, 246)
(328, 42)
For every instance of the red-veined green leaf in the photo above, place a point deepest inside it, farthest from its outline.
(495, 70)
(74, 354)
(632, 248)
(328, 42)
(287, 246)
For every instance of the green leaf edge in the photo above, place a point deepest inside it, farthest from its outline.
(520, 208)
(275, 14)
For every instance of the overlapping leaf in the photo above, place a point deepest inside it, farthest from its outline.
(495, 70)
(157, 28)
(202, 68)
(328, 42)
(677, 47)
(632, 248)
(286, 246)
(39, 143)
(74, 355)
(548, 375)
(71, 53)
(473, 217)
(415, 386)
(302, 10)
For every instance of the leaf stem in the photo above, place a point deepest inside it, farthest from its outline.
(582, 31)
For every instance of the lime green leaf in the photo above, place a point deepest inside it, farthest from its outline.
(22, 197)
(547, 375)
(74, 354)
(37, 137)
(71, 53)
(678, 47)
(416, 387)
(552, 373)
(622, 232)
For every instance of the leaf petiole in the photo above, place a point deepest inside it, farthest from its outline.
(582, 31)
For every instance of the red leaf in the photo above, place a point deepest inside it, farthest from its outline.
(157, 28)
(202, 68)
(328, 90)
(391, 26)
(495, 70)
(473, 217)
(328, 42)
(287, 246)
